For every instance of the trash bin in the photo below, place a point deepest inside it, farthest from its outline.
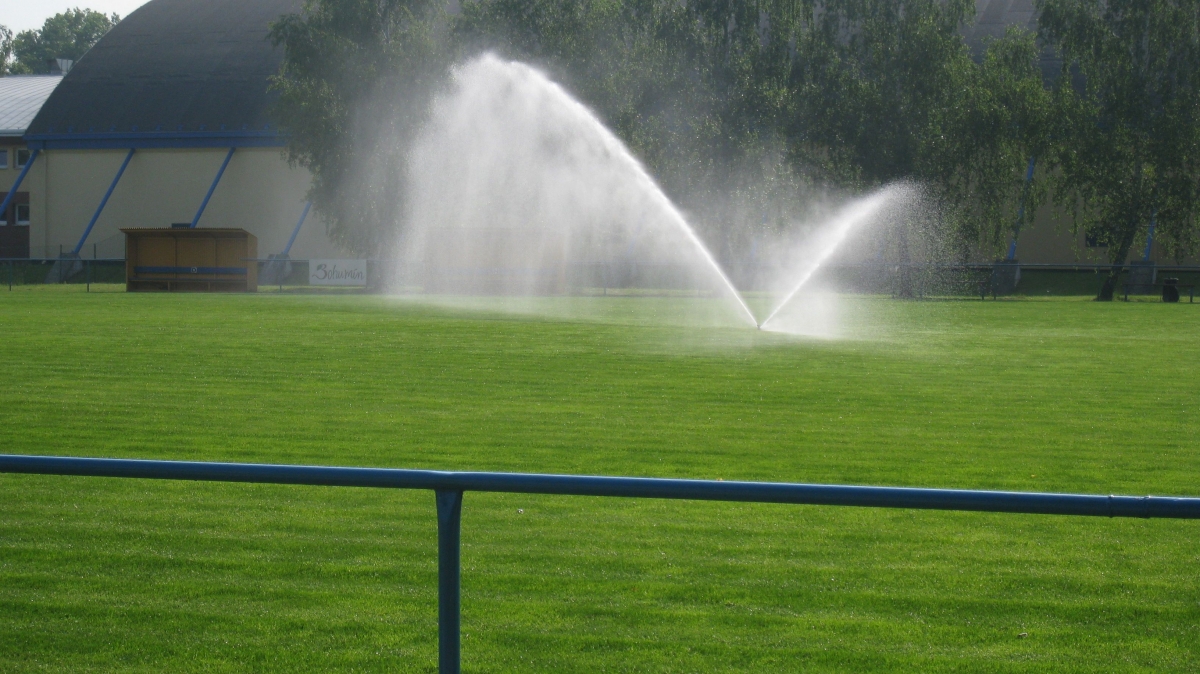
(1170, 290)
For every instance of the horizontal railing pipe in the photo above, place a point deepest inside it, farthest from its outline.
(449, 487)
(637, 487)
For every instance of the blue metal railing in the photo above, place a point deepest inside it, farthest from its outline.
(449, 487)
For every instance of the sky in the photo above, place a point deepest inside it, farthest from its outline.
(21, 15)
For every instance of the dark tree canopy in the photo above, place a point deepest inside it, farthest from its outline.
(885, 90)
(852, 93)
(351, 89)
(63, 36)
(648, 68)
(6, 47)
(996, 134)
(1128, 140)
(873, 82)
(751, 102)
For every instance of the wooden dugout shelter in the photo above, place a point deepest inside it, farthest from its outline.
(187, 259)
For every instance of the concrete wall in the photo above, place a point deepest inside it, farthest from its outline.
(259, 193)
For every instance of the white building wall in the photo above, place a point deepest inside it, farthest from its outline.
(34, 182)
(259, 192)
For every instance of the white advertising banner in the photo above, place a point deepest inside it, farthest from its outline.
(337, 272)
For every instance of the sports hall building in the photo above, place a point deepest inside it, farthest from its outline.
(165, 120)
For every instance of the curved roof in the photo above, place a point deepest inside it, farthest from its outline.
(21, 96)
(193, 73)
(174, 73)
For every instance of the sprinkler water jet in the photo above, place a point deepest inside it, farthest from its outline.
(517, 187)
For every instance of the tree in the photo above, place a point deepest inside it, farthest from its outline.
(1129, 99)
(641, 65)
(352, 89)
(684, 84)
(67, 35)
(736, 106)
(1000, 131)
(872, 87)
(872, 84)
(5, 50)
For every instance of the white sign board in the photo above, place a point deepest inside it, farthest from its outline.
(337, 272)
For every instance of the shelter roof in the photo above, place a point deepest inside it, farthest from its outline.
(174, 73)
(21, 96)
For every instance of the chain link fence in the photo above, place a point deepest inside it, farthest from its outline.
(392, 276)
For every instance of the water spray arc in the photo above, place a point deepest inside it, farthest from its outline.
(517, 189)
(516, 185)
(635, 167)
(850, 218)
(691, 233)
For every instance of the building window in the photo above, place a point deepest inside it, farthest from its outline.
(22, 214)
(22, 158)
(1093, 240)
(4, 158)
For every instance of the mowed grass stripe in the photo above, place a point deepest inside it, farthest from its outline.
(1031, 395)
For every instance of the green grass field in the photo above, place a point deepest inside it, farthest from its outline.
(1039, 395)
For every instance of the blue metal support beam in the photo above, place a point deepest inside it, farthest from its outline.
(288, 248)
(103, 202)
(1012, 245)
(147, 140)
(12, 191)
(212, 188)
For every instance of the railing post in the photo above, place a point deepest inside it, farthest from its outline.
(449, 514)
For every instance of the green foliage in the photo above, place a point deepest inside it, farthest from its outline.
(618, 65)
(882, 91)
(6, 47)
(351, 89)
(738, 108)
(67, 35)
(1128, 141)
(871, 85)
(1001, 123)
(651, 69)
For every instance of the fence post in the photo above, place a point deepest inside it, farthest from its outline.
(449, 514)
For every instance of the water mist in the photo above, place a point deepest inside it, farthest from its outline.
(517, 189)
(813, 314)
